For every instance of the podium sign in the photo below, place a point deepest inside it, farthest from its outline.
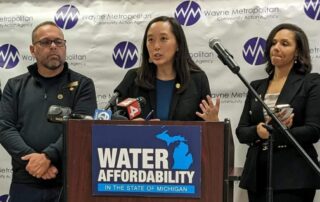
(142, 160)
(216, 160)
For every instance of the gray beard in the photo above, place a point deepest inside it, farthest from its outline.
(53, 65)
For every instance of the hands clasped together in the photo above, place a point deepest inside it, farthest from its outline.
(40, 166)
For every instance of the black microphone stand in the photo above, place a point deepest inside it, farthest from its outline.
(270, 163)
(282, 128)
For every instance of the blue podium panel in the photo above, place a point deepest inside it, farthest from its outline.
(140, 160)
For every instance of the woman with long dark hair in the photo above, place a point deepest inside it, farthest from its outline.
(170, 81)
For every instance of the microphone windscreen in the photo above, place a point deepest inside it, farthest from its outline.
(58, 113)
(212, 42)
(119, 115)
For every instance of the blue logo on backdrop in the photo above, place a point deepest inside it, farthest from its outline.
(67, 16)
(125, 54)
(4, 198)
(146, 160)
(188, 13)
(9, 56)
(312, 9)
(253, 51)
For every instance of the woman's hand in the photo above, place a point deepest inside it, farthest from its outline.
(210, 111)
(285, 119)
(263, 133)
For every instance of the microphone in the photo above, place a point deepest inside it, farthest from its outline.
(133, 106)
(58, 114)
(121, 90)
(102, 114)
(80, 116)
(112, 100)
(224, 55)
(119, 115)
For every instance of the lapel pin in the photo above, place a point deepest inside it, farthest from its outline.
(60, 96)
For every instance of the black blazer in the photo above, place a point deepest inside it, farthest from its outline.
(290, 170)
(183, 105)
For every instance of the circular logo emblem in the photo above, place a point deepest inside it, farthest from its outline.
(312, 9)
(188, 13)
(9, 56)
(125, 54)
(67, 17)
(253, 51)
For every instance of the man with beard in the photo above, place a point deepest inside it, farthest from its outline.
(36, 145)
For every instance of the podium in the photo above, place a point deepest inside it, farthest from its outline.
(217, 157)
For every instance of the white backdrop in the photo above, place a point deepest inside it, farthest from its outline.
(104, 40)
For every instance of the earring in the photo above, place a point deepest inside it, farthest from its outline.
(296, 60)
(150, 60)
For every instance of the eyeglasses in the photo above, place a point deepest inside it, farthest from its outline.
(48, 42)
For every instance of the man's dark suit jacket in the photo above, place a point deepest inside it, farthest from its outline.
(290, 170)
(183, 105)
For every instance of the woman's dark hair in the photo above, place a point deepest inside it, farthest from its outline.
(303, 60)
(183, 62)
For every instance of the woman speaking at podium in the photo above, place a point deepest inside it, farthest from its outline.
(174, 87)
